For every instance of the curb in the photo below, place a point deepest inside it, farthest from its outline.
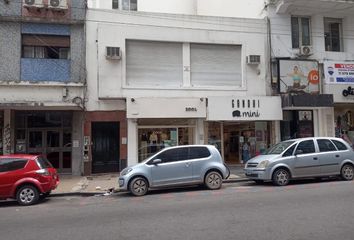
(235, 180)
(82, 194)
(90, 194)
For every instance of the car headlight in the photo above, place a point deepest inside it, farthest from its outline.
(125, 171)
(263, 164)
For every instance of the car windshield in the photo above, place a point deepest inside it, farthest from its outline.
(279, 148)
(44, 163)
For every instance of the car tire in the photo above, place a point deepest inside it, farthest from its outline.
(138, 186)
(347, 172)
(281, 177)
(213, 180)
(27, 195)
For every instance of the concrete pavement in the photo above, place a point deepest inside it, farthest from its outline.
(107, 183)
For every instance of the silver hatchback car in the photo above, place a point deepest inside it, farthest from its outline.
(176, 166)
(302, 158)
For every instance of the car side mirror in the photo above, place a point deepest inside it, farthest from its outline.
(156, 161)
(299, 151)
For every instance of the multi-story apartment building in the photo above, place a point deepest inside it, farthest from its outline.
(237, 74)
(173, 72)
(42, 80)
(312, 48)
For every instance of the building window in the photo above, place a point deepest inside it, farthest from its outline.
(115, 4)
(131, 5)
(332, 34)
(43, 46)
(300, 31)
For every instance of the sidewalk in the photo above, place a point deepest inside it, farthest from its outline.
(106, 183)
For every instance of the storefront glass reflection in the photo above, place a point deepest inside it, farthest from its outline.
(152, 140)
(241, 140)
(344, 127)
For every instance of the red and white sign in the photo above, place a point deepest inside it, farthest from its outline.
(339, 72)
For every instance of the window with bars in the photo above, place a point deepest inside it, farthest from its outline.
(45, 46)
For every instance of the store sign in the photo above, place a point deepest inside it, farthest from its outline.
(166, 108)
(339, 72)
(244, 108)
(298, 77)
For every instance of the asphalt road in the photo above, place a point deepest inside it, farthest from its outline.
(305, 210)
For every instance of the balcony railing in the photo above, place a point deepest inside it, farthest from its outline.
(34, 69)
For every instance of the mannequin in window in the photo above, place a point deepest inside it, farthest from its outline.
(153, 141)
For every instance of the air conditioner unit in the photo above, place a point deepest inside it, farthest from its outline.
(57, 5)
(253, 59)
(306, 50)
(113, 53)
(33, 3)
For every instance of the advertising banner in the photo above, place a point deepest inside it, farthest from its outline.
(339, 72)
(298, 76)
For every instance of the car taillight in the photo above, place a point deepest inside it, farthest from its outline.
(43, 172)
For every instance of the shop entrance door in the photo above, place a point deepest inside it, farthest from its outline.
(105, 147)
(54, 144)
(231, 146)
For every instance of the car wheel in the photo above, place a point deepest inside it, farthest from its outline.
(347, 172)
(138, 186)
(213, 180)
(27, 195)
(281, 177)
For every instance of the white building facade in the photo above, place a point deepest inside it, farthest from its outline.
(312, 53)
(182, 79)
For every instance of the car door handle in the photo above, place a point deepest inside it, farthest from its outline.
(337, 156)
(315, 158)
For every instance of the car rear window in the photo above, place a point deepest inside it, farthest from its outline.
(12, 164)
(43, 163)
(198, 152)
(339, 145)
(326, 145)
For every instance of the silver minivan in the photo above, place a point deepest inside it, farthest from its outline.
(302, 158)
(176, 166)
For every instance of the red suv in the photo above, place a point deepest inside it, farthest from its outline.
(27, 178)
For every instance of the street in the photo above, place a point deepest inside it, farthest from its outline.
(303, 210)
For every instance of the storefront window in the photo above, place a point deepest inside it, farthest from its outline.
(214, 134)
(152, 140)
(344, 124)
(156, 134)
(241, 140)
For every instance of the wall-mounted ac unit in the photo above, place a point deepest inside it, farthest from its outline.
(113, 53)
(306, 50)
(57, 5)
(253, 59)
(33, 3)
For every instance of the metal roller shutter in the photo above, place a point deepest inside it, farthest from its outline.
(216, 65)
(154, 64)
